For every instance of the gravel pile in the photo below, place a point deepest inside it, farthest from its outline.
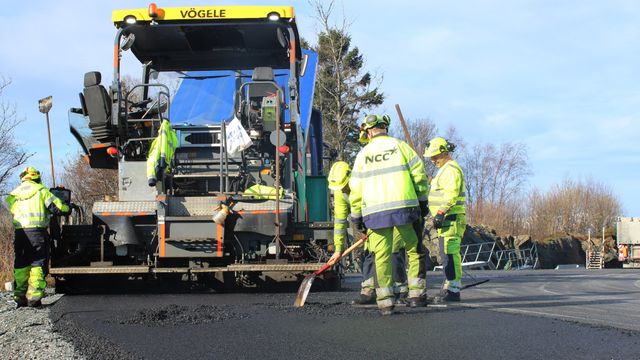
(173, 315)
(27, 333)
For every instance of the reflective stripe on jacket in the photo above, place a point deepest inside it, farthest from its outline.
(447, 191)
(387, 182)
(28, 204)
(340, 219)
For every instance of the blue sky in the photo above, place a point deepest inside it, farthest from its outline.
(562, 77)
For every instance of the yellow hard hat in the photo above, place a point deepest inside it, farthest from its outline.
(339, 175)
(30, 173)
(371, 121)
(438, 146)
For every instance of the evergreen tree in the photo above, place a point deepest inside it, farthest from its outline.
(344, 91)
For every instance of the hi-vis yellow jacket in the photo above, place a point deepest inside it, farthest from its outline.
(447, 193)
(161, 152)
(387, 183)
(30, 205)
(340, 219)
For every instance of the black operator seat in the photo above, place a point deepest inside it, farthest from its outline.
(262, 83)
(97, 100)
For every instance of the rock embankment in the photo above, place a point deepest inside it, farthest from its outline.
(554, 250)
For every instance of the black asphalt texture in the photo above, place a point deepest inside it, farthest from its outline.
(517, 315)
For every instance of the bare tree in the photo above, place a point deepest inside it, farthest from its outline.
(572, 206)
(453, 136)
(495, 176)
(13, 154)
(89, 185)
(343, 90)
(421, 130)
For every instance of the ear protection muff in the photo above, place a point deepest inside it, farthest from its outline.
(451, 147)
(440, 145)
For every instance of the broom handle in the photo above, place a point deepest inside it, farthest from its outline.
(346, 252)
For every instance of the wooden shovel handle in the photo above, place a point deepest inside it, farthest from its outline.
(346, 252)
(405, 129)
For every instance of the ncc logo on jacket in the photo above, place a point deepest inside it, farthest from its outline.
(384, 156)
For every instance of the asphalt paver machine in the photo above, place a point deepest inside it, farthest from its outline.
(204, 69)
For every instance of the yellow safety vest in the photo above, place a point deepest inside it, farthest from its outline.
(447, 192)
(387, 183)
(28, 204)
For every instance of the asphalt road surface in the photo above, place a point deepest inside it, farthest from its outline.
(550, 314)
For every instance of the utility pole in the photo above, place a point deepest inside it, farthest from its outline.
(44, 106)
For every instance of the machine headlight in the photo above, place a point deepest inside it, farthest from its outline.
(273, 16)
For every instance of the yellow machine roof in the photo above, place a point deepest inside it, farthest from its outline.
(204, 13)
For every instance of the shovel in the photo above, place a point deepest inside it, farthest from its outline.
(305, 286)
(476, 281)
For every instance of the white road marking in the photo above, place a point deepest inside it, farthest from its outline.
(582, 319)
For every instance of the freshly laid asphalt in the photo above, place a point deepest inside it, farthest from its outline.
(543, 314)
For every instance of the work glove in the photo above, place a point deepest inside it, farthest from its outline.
(438, 220)
(358, 224)
(72, 207)
(424, 208)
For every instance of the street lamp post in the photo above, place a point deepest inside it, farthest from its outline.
(44, 106)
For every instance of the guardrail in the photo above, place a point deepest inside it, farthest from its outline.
(488, 256)
(519, 259)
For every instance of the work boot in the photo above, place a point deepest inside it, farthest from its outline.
(401, 299)
(34, 303)
(386, 311)
(20, 301)
(364, 300)
(449, 296)
(417, 302)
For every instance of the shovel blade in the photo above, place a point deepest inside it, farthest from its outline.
(303, 290)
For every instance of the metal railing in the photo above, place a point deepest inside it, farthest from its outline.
(476, 256)
(478, 252)
(519, 259)
(488, 255)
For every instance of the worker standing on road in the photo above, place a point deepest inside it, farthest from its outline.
(447, 200)
(31, 205)
(339, 182)
(388, 194)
